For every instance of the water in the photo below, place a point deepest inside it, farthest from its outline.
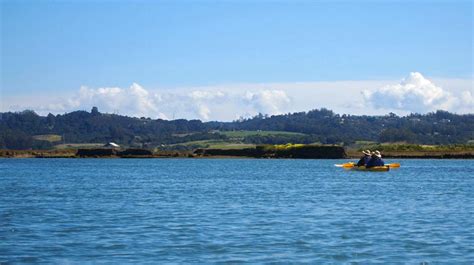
(234, 210)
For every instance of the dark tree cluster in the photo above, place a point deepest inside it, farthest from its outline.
(440, 127)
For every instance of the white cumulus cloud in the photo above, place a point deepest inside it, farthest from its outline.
(201, 100)
(194, 103)
(268, 101)
(414, 93)
(136, 100)
(467, 98)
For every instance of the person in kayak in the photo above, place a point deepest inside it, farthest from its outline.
(363, 160)
(375, 160)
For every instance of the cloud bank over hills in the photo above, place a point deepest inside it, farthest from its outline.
(168, 104)
(415, 93)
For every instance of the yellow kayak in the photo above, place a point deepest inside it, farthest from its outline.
(362, 168)
(351, 165)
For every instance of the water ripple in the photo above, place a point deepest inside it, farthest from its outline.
(234, 211)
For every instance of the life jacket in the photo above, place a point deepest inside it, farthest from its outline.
(363, 161)
(375, 162)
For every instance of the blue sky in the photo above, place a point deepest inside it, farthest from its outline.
(55, 47)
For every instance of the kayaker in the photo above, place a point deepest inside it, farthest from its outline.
(375, 160)
(363, 160)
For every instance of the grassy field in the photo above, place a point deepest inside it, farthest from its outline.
(225, 145)
(48, 137)
(235, 140)
(220, 144)
(242, 134)
(76, 146)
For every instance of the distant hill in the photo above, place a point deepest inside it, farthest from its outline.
(27, 130)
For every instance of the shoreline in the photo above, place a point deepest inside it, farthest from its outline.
(350, 154)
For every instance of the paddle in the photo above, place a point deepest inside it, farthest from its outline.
(394, 165)
(345, 165)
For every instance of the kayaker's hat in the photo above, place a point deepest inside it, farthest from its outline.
(377, 153)
(366, 152)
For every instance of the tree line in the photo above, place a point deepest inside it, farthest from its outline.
(17, 129)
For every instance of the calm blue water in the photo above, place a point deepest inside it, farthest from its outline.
(234, 210)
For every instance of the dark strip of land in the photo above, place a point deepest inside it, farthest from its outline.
(264, 151)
